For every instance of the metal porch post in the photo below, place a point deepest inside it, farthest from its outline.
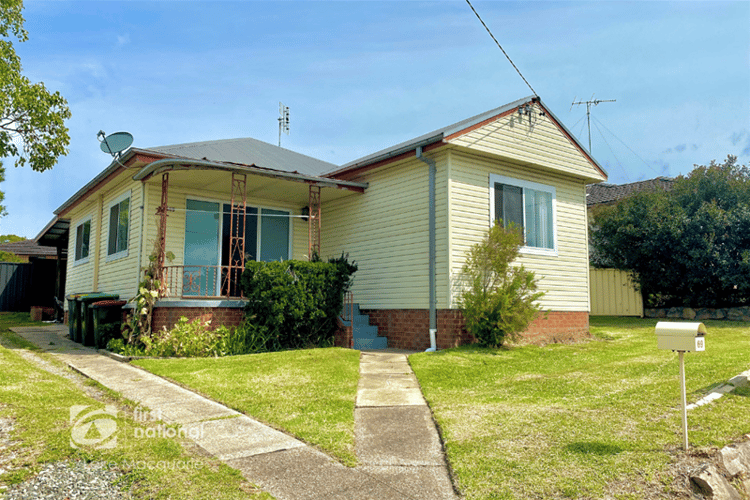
(161, 211)
(313, 222)
(237, 221)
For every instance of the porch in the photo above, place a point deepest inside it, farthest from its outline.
(212, 217)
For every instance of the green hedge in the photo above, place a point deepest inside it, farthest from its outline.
(294, 304)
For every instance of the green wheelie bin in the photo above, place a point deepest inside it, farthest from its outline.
(107, 320)
(86, 316)
(74, 325)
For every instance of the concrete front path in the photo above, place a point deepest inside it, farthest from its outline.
(398, 447)
(394, 434)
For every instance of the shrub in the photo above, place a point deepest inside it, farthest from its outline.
(118, 346)
(497, 299)
(294, 304)
(187, 339)
(194, 339)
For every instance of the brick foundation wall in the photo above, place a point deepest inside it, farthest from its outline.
(169, 316)
(343, 337)
(409, 328)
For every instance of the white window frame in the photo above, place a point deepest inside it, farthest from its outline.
(501, 179)
(83, 260)
(122, 253)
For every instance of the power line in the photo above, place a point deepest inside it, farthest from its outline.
(501, 48)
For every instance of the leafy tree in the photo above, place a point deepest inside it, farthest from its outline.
(32, 127)
(10, 257)
(686, 247)
(9, 238)
(498, 298)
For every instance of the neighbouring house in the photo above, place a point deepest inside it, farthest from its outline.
(30, 249)
(406, 215)
(609, 194)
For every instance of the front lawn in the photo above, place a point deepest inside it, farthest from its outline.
(600, 418)
(309, 393)
(40, 407)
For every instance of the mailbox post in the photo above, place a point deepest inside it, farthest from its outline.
(681, 337)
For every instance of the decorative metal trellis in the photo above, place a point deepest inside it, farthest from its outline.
(237, 222)
(313, 224)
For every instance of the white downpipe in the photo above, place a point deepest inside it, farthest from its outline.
(433, 306)
(433, 342)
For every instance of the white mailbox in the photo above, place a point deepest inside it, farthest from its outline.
(686, 337)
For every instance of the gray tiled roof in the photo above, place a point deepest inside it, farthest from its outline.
(249, 151)
(597, 194)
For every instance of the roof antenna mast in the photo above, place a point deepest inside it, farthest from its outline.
(283, 120)
(588, 111)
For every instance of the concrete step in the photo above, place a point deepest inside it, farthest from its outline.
(361, 320)
(370, 343)
(361, 331)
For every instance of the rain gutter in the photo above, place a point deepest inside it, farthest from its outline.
(171, 164)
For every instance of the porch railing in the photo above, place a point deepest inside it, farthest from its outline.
(348, 310)
(201, 281)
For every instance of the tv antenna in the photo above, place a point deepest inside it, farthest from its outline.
(283, 120)
(115, 144)
(588, 104)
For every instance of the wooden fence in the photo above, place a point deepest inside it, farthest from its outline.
(613, 293)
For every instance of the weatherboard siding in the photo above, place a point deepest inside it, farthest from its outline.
(563, 277)
(385, 230)
(119, 275)
(114, 276)
(532, 139)
(80, 276)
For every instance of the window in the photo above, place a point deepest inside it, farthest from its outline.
(83, 234)
(119, 213)
(208, 235)
(529, 205)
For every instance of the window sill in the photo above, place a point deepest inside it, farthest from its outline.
(117, 256)
(546, 252)
(81, 262)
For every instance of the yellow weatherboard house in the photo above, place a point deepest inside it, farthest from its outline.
(406, 215)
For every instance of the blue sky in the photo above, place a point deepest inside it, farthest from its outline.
(362, 76)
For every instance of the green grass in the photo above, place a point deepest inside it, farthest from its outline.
(10, 339)
(571, 421)
(308, 393)
(39, 403)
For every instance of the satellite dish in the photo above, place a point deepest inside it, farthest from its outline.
(116, 143)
